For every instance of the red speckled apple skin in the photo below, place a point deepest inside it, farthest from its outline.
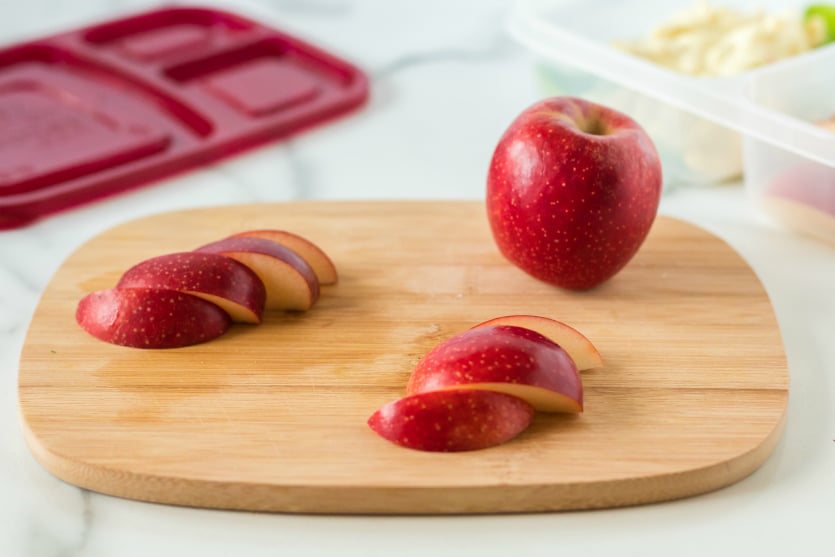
(498, 354)
(810, 184)
(567, 206)
(248, 244)
(452, 420)
(150, 317)
(200, 272)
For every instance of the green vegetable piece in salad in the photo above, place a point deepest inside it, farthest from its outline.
(824, 15)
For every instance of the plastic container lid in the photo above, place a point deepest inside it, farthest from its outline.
(98, 110)
(579, 34)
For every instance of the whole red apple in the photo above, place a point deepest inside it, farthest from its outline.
(572, 191)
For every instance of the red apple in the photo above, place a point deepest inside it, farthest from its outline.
(290, 282)
(452, 420)
(803, 197)
(503, 358)
(318, 260)
(829, 123)
(578, 346)
(572, 190)
(150, 317)
(213, 277)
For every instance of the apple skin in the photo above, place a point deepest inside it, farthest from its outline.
(503, 358)
(213, 277)
(290, 282)
(452, 420)
(318, 260)
(811, 184)
(803, 197)
(150, 317)
(573, 188)
(578, 346)
(828, 124)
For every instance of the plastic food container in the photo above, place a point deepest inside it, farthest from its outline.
(759, 124)
(95, 111)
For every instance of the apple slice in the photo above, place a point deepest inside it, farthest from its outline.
(507, 359)
(150, 317)
(289, 281)
(828, 124)
(578, 346)
(213, 277)
(318, 260)
(452, 420)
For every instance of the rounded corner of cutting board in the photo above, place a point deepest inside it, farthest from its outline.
(61, 467)
(137, 440)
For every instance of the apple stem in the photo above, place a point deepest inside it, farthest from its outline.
(594, 126)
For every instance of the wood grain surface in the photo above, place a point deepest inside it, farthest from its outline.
(273, 417)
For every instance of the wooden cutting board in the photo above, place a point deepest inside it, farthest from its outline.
(273, 417)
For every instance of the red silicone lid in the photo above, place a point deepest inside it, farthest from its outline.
(99, 110)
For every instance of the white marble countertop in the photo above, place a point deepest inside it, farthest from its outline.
(445, 80)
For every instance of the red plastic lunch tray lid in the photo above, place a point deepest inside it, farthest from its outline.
(106, 108)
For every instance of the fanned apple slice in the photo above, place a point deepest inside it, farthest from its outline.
(213, 277)
(290, 282)
(503, 358)
(150, 317)
(578, 346)
(318, 260)
(452, 420)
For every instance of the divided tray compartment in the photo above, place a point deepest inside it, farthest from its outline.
(99, 110)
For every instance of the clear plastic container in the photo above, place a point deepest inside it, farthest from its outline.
(759, 124)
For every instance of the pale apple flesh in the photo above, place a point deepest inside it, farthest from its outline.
(803, 197)
(213, 277)
(290, 282)
(578, 346)
(540, 398)
(318, 260)
(452, 420)
(150, 317)
(573, 188)
(505, 358)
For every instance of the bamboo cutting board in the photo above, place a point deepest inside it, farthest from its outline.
(273, 417)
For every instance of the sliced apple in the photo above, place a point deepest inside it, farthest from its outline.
(213, 277)
(318, 260)
(150, 317)
(452, 420)
(503, 358)
(290, 282)
(803, 198)
(578, 346)
(828, 124)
